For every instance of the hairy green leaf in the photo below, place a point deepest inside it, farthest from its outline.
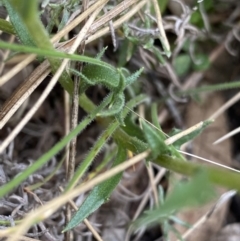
(99, 194)
(114, 80)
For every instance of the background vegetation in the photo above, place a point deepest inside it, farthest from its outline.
(101, 101)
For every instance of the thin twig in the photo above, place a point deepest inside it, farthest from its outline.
(23, 92)
(209, 161)
(74, 122)
(67, 124)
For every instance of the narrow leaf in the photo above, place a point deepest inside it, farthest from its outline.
(53, 53)
(99, 194)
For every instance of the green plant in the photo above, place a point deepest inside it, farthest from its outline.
(111, 114)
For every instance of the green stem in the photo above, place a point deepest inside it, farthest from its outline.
(211, 88)
(218, 176)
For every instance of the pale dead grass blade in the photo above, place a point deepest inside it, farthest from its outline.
(210, 161)
(89, 225)
(16, 69)
(107, 17)
(228, 135)
(153, 186)
(111, 14)
(118, 22)
(146, 197)
(16, 59)
(144, 201)
(225, 106)
(174, 138)
(162, 35)
(78, 20)
(51, 84)
(23, 92)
